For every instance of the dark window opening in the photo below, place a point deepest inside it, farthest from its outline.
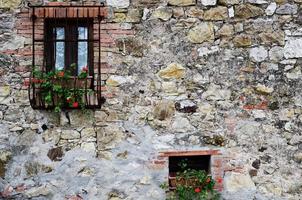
(69, 45)
(193, 162)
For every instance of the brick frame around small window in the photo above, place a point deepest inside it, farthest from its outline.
(216, 162)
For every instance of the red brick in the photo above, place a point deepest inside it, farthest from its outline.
(107, 40)
(190, 153)
(22, 69)
(108, 95)
(75, 12)
(110, 26)
(81, 12)
(108, 70)
(121, 32)
(216, 173)
(95, 11)
(85, 12)
(104, 11)
(9, 52)
(61, 12)
(40, 12)
(70, 12)
(52, 12)
(159, 162)
(23, 15)
(217, 162)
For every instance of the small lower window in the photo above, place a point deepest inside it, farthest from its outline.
(191, 162)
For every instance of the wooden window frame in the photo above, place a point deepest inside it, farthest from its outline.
(71, 43)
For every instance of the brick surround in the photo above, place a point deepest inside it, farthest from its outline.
(109, 33)
(217, 166)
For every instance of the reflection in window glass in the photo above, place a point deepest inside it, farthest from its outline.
(59, 48)
(82, 48)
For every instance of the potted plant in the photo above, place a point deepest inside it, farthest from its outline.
(192, 184)
(60, 90)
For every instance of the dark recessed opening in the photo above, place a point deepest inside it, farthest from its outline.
(193, 162)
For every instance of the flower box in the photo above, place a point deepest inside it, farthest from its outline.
(176, 181)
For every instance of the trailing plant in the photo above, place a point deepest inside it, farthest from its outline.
(58, 88)
(192, 184)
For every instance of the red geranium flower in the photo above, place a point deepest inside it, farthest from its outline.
(60, 74)
(68, 99)
(75, 104)
(197, 190)
(85, 69)
(219, 180)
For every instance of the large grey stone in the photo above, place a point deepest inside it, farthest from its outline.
(181, 125)
(109, 137)
(287, 9)
(235, 181)
(258, 54)
(4, 92)
(134, 16)
(276, 53)
(208, 2)
(38, 191)
(293, 48)
(204, 51)
(271, 8)
(70, 134)
(215, 93)
(88, 133)
(257, 2)
(118, 3)
(12, 43)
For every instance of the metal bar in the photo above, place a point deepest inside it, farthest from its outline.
(99, 80)
(77, 43)
(33, 59)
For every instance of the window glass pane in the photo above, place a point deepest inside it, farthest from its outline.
(59, 48)
(83, 33)
(82, 48)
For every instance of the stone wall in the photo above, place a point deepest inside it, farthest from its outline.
(181, 75)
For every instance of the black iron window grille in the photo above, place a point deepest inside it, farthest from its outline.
(66, 57)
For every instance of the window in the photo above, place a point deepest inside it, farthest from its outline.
(69, 45)
(66, 38)
(193, 162)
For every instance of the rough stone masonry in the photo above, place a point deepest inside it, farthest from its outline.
(181, 75)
